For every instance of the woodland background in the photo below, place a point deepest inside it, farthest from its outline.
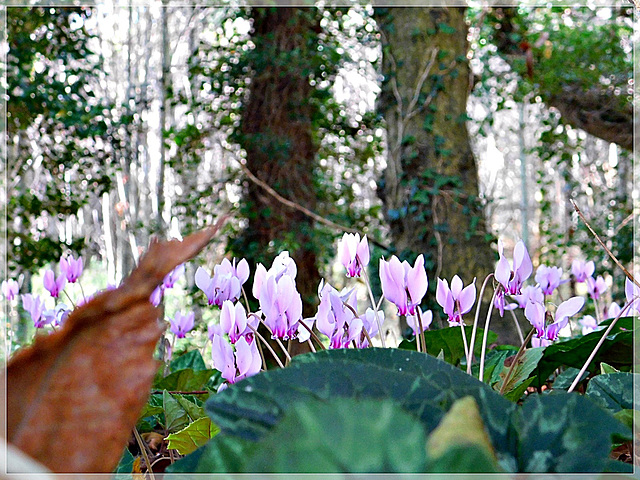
(432, 130)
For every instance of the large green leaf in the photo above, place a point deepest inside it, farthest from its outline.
(175, 417)
(221, 454)
(449, 341)
(519, 373)
(613, 391)
(192, 436)
(564, 432)
(342, 435)
(420, 383)
(192, 359)
(185, 380)
(574, 352)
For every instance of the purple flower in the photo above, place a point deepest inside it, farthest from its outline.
(335, 319)
(226, 283)
(512, 279)
(548, 278)
(589, 324)
(172, 277)
(353, 253)
(412, 321)
(10, 289)
(182, 324)
(581, 270)
(613, 311)
(455, 301)
(283, 264)
(54, 285)
(632, 294)
(529, 293)
(56, 316)
(35, 306)
(281, 305)
(235, 365)
(596, 287)
(536, 314)
(402, 284)
(234, 322)
(71, 268)
(156, 295)
(369, 324)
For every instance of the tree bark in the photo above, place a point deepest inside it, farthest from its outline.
(277, 134)
(430, 187)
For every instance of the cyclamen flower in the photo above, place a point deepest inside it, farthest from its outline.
(54, 285)
(455, 301)
(529, 294)
(596, 287)
(412, 321)
(226, 283)
(589, 324)
(336, 320)
(281, 305)
(35, 306)
(581, 270)
(10, 289)
(613, 311)
(172, 277)
(536, 314)
(402, 284)
(156, 295)
(71, 268)
(235, 365)
(234, 322)
(369, 324)
(512, 279)
(353, 253)
(632, 294)
(56, 316)
(548, 278)
(181, 324)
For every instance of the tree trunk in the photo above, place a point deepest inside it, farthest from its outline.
(276, 133)
(430, 187)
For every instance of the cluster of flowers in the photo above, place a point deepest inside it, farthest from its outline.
(235, 350)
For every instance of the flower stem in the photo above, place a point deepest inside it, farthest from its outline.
(74, 305)
(277, 359)
(464, 343)
(313, 335)
(486, 333)
(375, 308)
(512, 368)
(598, 316)
(475, 323)
(284, 350)
(424, 343)
(143, 450)
(597, 347)
(515, 320)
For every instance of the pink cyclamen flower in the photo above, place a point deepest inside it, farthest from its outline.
(54, 285)
(455, 301)
(581, 270)
(172, 277)
(529, 293)
(156, 295)
(402, 284)
(512, 279)
(234, 321)
(71, 268)
(612, 311)
(589, 324)
(281, 305)
(548, 278)
(596, 287)
(57, 315)
(426, 317)
(235, 365)
(353, 253)
(182, 324)
(632, 294)
(370, 324)
(10, 289)
(336, 317)
(536, 314)
(226, 283)
(283, 264)
(35, 306)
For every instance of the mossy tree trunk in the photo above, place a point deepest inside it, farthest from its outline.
(430, 187)
(277, 134)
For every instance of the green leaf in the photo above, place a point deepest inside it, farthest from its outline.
(327, 436)
(220, 455)
(521, 371)
(574, 352)
(516, 394)
(564, 432)
(175, 417)
(192, 436)
(463, 459)
(566, 378)
(613, 391)
(190, 360)
(185, 380)
(125, 465)
(193, 410)
(606, 368)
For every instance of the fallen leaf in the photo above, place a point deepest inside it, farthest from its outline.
(74, 396)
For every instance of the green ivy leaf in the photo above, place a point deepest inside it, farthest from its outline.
(193, 436)
(613, 391)
(175, 417)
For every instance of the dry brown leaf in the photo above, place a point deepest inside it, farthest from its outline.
(74, 396)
